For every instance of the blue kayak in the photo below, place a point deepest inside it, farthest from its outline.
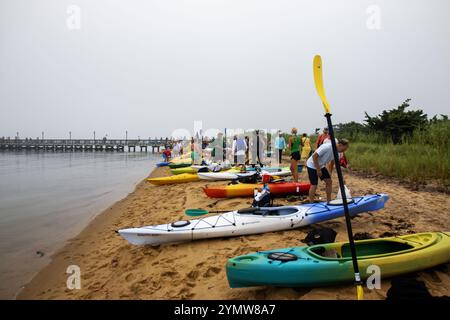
(162, 164)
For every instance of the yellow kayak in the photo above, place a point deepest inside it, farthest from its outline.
(183, 170)
(179, 178)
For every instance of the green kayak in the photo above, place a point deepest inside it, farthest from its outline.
(330, 264)
(183, 170)
(180, 165)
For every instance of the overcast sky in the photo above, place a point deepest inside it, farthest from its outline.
(150, 67)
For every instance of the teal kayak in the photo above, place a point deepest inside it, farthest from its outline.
(331, 264)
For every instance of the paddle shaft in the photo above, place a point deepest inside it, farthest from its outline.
(344, 199)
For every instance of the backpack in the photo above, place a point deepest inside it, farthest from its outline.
(248, 179)
(265, 201)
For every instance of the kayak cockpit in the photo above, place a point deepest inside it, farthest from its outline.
(364, 249)
(281, 211)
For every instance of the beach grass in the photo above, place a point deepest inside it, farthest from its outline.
(417, 163)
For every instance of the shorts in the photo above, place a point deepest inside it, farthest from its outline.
(295, 155)
(314, 178)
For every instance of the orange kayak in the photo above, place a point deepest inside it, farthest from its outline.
(247, 189)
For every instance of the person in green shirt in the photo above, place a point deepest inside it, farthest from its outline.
(294, 146)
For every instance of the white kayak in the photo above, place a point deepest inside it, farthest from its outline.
(218, 176)
(230, 175)
(281, 173)
(248, 221)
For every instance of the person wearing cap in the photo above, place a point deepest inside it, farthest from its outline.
(322, 137)
(280, 145)
(317, 167)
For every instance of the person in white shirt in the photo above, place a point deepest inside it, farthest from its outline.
(317, 167)
(239, 148)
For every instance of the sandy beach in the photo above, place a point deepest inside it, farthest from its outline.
(113, 269)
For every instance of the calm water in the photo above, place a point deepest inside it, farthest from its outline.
(48, 197)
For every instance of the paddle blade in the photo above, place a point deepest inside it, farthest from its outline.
(318, 80)
(359, 292)
(195, 212)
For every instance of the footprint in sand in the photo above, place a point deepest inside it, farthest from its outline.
(185, 293)
(193, 275)
(130, 277)
(212, 271)
(170, 274)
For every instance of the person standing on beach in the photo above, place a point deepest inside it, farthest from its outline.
(317, 167)
(233, 149)
(196, 151)
(294, 146)
(239, 149)
(257, 147)
(322, 137)
(217, 148)
(247, 157)
(167, 154)
(280, 145)
(306, 147)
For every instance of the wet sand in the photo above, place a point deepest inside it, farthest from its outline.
(113, 269)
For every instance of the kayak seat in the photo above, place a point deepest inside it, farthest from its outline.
(264, 212)
(330, 253)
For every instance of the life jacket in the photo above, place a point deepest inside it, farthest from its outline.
(343, 161)
(263, 199)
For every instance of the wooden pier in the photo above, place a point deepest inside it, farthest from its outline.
(84, 144)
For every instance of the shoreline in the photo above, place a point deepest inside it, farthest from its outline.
(113, 269)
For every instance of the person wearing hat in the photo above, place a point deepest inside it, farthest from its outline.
(280, 145)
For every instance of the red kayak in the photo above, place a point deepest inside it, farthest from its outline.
(247, 189)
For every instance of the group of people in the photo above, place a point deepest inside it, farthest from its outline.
(245, 148)
(319, 163)
(299, 146)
